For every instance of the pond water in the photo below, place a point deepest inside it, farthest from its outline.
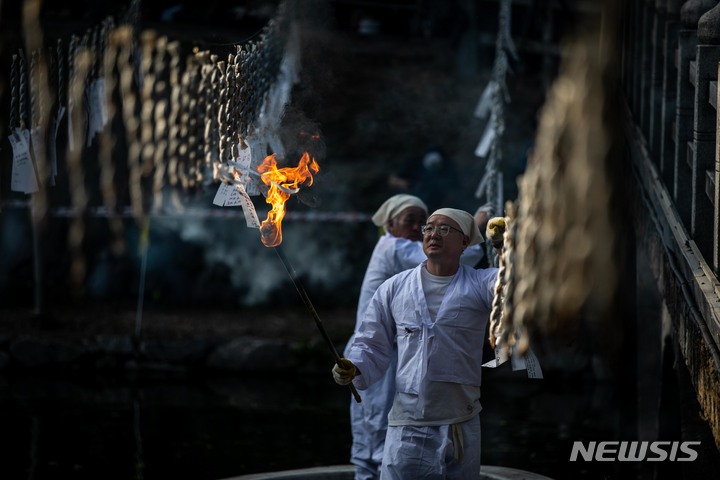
(213, 427)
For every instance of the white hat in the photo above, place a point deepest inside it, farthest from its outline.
(488, 208)
(394, 205)
(465, 220)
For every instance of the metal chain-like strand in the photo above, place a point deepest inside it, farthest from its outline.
(503, 42)
(61, 88)
(22, 88)
(14, 121)
(179, 126)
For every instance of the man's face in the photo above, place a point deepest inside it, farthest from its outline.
(407, 223)
(450, 246)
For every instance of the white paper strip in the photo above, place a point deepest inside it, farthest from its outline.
(101, 105)
(480, 191)
(245, 165)
(222, 195)
(517, 362)
(233, 196)
(23, 174)
(486, 141)
(527, 362)
(501, 356)
(533, 365)
(251, 218)
(482, 109)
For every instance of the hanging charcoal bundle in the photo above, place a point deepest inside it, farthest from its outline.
(564, 268)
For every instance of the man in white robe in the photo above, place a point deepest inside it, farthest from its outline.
(398, 249)
(437, 313)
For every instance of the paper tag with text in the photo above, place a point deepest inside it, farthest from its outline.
(533, 365)
(23, 174)
(245, 165)
(222, 194)
(501, 356)
(240, 196)
(233, 196)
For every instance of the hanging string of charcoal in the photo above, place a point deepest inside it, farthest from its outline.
(492, 101)
(186, 118)
(244, 79)
(161, 105)
(559, 274)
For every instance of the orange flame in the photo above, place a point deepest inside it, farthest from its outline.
(281, 183)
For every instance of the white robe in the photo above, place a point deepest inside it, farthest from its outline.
(441, 357)
(369, 419)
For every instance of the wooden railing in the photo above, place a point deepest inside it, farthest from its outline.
(670, 73)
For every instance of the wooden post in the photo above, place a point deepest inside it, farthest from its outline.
(669, 100)
(687, 41)
(646, 14)
(703, 158)
(636, 47)
(656, 80)
(704, 133)
(716, 190)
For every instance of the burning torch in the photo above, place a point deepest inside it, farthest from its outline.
(281, 183)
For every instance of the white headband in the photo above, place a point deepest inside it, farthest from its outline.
(465, 220)
(394, 205)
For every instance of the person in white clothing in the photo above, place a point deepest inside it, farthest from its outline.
(436, 314)
(398, 249)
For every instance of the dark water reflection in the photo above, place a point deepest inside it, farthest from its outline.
(159, 427)
(153, 427)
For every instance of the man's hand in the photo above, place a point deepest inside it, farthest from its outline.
(345, 372)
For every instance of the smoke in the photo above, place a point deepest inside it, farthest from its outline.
(256, 274)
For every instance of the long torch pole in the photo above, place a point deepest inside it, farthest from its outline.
(308, 304)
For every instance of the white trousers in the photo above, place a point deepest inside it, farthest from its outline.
(439, 452)
(369, 425)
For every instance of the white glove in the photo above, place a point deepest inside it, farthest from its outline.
(345, 373)
(495, 231)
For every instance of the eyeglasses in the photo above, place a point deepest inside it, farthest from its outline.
(443, 229)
